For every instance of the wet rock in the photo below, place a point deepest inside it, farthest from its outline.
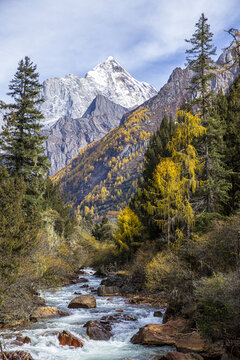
(23, 339)
(108, 290)
(100, 273)
(174, 355)
(77, 281)
(117, 318)
(158, 313)
(161, 334)
(77, 293)
(84, 286)
(178, 333)
(47, 312)
(16, 355)
(116, 280)
(119, 310)
(98, 330)
(66, 338)
(83, 301)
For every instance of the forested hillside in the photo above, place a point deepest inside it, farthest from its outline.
(102, 178)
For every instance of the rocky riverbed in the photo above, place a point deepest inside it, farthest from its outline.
(99, 331)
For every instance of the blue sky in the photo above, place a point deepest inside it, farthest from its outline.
(72, 36)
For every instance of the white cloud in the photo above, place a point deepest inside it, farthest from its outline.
(71, 36)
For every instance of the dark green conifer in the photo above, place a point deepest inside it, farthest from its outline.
(157, 149)
(18, 231)
(201, 63)
(21, 142)
(209, 146)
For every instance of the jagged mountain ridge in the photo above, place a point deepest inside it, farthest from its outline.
(70, 96)
(68, 136)
(103, 176)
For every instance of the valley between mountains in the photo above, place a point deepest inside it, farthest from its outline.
(98, 168)
(120, 205)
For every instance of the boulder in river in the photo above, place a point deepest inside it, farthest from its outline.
(47, 312)
(23, 339)
(77, 281)
(83, 301)
(104, 290)
(179, 334)
(98, 330)
(16, 355)
(117, 318)
(158, 313)
(66, 338)
(161, 334)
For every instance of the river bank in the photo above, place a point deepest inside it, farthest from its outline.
(43, 335)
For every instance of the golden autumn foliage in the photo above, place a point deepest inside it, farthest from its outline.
(175, 179)
(118, 156)
(129, 231)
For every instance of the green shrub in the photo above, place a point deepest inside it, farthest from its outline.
(204, 222)
(218, 306)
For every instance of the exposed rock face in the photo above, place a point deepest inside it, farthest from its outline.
(98, 330)
(66, 338)
(47, 312)
(68, 136)
(83, 301)
(70, 96)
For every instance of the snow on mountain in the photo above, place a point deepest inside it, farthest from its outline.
(70, 96)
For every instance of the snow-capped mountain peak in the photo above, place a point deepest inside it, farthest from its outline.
(71, 95)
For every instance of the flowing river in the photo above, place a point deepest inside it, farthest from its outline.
(44, 339)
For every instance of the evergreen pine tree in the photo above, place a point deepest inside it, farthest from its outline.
(21, 142)
(156, 150)
(210, 146)
(200, 62)
(18, 231)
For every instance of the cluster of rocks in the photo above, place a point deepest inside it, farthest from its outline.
(179, 332)
(119, 284)
(187, 341)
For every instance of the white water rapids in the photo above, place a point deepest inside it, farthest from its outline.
(44, 340)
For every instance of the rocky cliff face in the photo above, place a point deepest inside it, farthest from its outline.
(68, 136)
(70, 96)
